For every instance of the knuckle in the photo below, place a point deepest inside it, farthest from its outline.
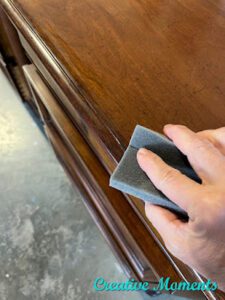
(181, 126)
(221, 130)
(167, 176)
(154, 160)
(213, 202)
(220, 133)
(201, 145)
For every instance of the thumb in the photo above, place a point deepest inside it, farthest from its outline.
(169, 226)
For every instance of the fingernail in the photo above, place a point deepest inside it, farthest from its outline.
(143, 151)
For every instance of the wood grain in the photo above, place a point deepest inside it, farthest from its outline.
(14, 56)
(130, 230)
(139, 61)
(147, 62)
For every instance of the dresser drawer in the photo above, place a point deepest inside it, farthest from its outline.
(164, 264)
(87, 145)
(81, 115)
(116, 218)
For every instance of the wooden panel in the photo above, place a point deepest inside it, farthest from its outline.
(72, 167)
(13, 54)
(147, 62)
(76, 115)
(114, 215)
(185, 272)
(75, 141)
(4, 43)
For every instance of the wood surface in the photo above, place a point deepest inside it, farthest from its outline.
(147, 62)
(14, 55)
(126, 62)
(148, 261)
(52, 113)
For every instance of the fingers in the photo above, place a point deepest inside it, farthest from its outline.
(206, 159)
(216, 137)
(164, 221)
(176, 186)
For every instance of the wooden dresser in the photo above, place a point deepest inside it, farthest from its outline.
(95, 69)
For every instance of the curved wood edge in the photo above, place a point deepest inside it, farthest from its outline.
(69, 163)
(185, 272)
(108, 137)
(89, 120)
(76, 139)
(120, 217)
(47, 63)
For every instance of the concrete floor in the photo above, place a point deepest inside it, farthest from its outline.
(49, 247)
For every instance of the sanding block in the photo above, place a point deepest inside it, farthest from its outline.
(129, 178)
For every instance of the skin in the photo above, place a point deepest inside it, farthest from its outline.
(200, 242)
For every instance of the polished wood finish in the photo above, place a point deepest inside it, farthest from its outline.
(14, 55)
(148, 62)
(132, 236)
(112, 64)
(110, 210)
(5, 46)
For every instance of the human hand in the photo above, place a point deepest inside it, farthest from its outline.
(200, 242)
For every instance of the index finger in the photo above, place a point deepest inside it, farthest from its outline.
(205, 158)
(171, 182)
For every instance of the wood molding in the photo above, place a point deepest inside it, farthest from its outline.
(87, 101)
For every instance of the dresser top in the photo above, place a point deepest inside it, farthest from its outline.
(146, 62)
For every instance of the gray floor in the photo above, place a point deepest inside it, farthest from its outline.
(49, 246)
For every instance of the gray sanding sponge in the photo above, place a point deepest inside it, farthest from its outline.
(129, 178)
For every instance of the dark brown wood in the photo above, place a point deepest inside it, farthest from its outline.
(72, 169)
(13, 55)
(137, 205)
(109, 208)
(114, 64)
(138, 245)
(159, 60)
(5, 46)
(13, 48)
